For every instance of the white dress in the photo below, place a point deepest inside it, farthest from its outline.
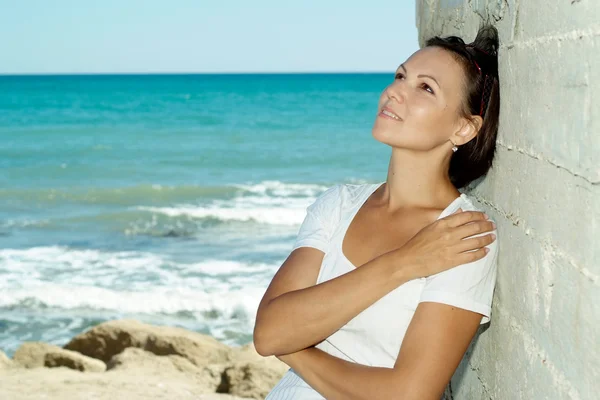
(374, 336)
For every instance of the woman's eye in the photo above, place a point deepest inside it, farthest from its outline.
(425, 86)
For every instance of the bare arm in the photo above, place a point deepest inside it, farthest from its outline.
(295, 313)
(433, 346)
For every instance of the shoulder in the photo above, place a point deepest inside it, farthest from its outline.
(332, 202)
(352, 193)
(464, 202)
(344, 193)
(326, 203)
(469, 203)
(327, 198)
(469, 286)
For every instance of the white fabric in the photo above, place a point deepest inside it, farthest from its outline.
(374, 336)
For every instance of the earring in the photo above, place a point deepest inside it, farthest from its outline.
(454, 148)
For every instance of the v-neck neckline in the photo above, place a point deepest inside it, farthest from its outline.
(450, 208)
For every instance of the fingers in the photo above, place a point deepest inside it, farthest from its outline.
(476, 243)
(474, 228)
(464, 217)
(472, 256)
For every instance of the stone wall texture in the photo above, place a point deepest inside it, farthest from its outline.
(544, 193)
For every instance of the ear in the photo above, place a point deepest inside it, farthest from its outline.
(468, 129)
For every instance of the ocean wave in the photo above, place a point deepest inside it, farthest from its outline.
(36, 261)
(131, 282)
(172, 212)
(269, 202)
(156, 193)
(169, 301)
(178, 221)
(265, 215)
(281, 189)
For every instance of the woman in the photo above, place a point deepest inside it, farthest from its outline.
(387, 283)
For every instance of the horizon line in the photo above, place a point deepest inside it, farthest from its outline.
(8, 74)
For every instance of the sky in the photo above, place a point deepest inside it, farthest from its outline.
(204, 36)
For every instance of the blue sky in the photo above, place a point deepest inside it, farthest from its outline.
(134, 36)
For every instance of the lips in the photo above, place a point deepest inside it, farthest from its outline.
(390, 114)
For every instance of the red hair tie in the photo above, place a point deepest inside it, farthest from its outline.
(487, 83)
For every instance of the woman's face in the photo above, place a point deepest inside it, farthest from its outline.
(419, 110)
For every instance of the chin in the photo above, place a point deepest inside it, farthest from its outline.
(391, 139)
(384, 135)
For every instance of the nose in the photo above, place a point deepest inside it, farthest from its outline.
(395, 91)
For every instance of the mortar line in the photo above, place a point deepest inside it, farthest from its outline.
(554, 249)
(574, 34)
(551, 162)
(558, 377)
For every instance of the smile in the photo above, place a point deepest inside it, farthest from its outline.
(390, 115)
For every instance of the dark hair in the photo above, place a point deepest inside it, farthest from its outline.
(474, 158)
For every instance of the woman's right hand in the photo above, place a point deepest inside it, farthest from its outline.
(445, 243)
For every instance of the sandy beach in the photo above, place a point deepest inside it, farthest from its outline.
(127, 359)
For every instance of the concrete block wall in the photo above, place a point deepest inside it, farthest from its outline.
(544, 192)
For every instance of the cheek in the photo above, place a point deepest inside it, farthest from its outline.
(432, 124)
(429, 118)
(421, 123)
(424, 110)
(424, 128)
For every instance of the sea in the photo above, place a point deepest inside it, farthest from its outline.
(170, 199)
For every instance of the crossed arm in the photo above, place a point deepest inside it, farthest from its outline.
(435, 342)
(432, 348)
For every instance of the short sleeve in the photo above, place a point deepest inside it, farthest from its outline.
(318, 225)
(467, 286)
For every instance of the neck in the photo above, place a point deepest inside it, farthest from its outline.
(418, 179)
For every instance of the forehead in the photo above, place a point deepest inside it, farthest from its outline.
(438, 63)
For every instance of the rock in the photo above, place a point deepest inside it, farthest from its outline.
(5, 362)
(32, 354)
(72, 360)
(251, 375)
(135, 360)
(110, 338)
(248, 353)
(142, 362)
(39, 354)
(66, 384)
(199, 349)
(249, 379)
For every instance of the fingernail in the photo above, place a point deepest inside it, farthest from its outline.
(487, 250)
(486, 216)
(494, 225)
(493, 237)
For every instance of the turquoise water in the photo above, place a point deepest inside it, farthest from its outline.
(171, 199)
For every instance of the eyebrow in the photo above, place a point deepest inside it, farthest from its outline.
(422, 75)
